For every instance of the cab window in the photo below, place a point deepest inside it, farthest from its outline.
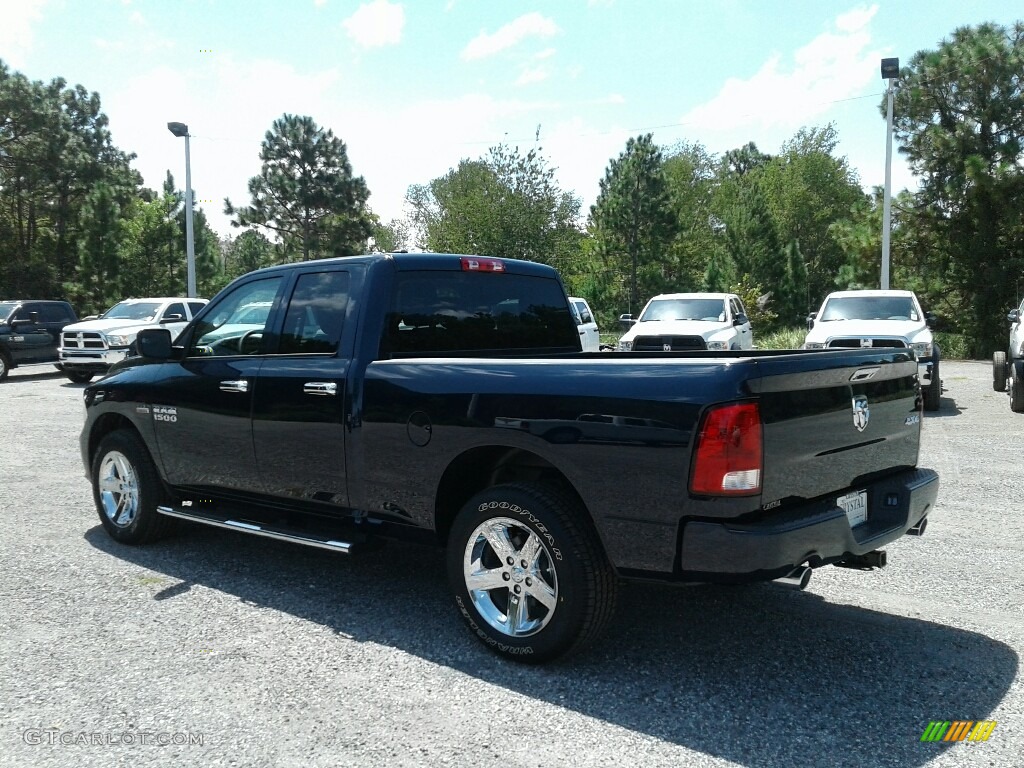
(175, 313)
(238, 323)
(316, 314)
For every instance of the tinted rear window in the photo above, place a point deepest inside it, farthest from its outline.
(452, 312)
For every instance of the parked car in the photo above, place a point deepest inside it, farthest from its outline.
(590, 337)
(30, 331)
(1008, 366)
(92, 346)
(889, 319)
(429, 397)
(675, 322)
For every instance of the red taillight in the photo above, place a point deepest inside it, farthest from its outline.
(473, 264)
(727, 459)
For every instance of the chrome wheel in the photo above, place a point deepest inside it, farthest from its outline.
(118, 489)
(510, 577)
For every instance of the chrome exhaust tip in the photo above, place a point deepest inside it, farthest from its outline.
(799, 577)
(918, 530)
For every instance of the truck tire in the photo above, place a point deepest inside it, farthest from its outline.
(79, 377)
(1017, 387)
(933, 392)
(127, 489)
(528, 572)
(1000, 372)
(5, 366)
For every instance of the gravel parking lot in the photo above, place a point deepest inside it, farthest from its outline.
(217, 649)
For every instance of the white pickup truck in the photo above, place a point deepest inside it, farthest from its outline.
(675, 322)
(880, 319)
(92, 346)
(1008, 366)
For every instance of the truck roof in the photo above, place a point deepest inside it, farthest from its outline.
(868, 293)
(697, 295)
(428, 261)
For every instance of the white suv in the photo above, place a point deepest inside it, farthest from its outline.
(1008, 367)
(891, 319)
(675, 322)
(92, 346)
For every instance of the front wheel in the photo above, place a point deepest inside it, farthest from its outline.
(933, 392)
(127, 489)
(5, 366)
(1017, 387)
(528, 572)
(999, 372)
(79, 377)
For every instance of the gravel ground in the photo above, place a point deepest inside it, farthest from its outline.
(218, 649)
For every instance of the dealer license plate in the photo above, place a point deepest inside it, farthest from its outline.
(856, 506)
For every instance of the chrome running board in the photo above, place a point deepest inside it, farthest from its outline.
(281, 534)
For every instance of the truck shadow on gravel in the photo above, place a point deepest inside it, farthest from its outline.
(757, 674)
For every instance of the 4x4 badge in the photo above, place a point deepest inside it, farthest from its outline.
(861, 413)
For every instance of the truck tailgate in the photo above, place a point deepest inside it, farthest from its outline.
(845, 418)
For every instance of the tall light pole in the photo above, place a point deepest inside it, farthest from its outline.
(181, 131)
(890, 71)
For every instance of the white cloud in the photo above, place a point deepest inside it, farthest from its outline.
(783, 96)
(16, 20)
(376, 24)
(319, 3)
(509, 36)
(532, 75)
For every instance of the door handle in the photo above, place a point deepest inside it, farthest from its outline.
(325, 388)
(240, 385)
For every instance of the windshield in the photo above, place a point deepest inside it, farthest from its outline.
(711, 310)
(139, 310)
(6, 308)
(870, 308)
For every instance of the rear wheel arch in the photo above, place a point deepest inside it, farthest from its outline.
(480, 468)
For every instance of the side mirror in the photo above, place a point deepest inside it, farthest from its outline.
(154, 343)
(930, 319)
(626, 321)
(810, 320)
(740, 319)
(173, 319)
(1013, 316)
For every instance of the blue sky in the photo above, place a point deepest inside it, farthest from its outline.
(413, 87)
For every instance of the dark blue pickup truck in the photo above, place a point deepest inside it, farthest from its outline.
(445, 399)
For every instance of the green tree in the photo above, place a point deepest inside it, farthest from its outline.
(959, 119)
(99, 278)
(807, 189)
(505, 204)
(633, 223)
(306, 193)
(55, 148)
(690, 172)
(249, 251)
(142, 250)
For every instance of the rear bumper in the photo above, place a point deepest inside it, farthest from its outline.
(817, 533)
